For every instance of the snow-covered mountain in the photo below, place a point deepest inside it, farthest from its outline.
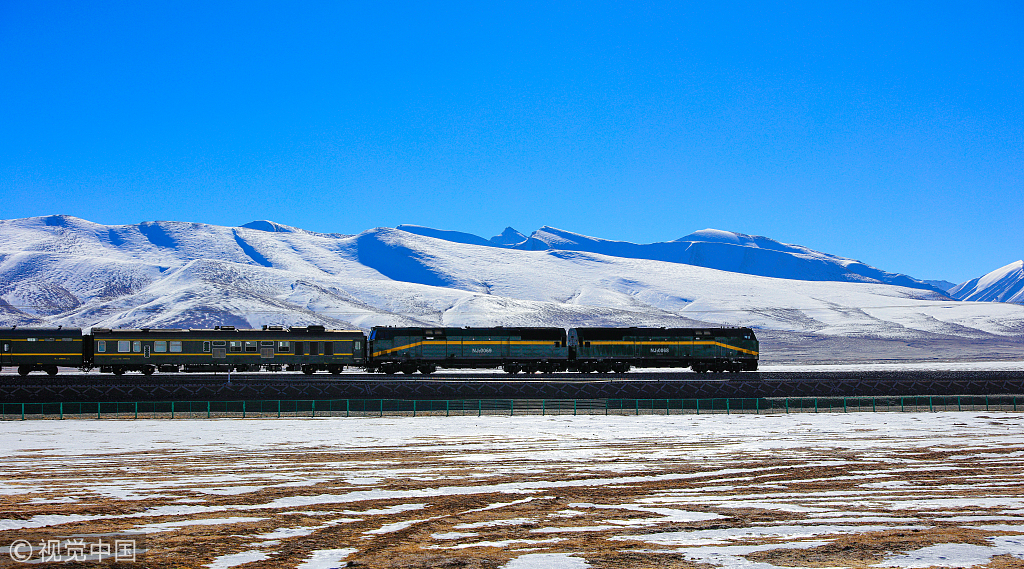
(712, 248)
(68, 271)
(1005, 284)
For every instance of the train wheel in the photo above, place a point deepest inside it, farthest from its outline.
(428, 369)
(408, 368)
(118, 370)
(148, 370)
(51, 370)
(308, 369)
(23, 370)
(335, 369)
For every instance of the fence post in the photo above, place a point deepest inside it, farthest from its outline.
(207, 409)
(23, 411)
(543, 407)
(958, 403)
(573, 407)
(347, 402)
(931, 408)
(278, 408)
(479, 407)
(666, 406)
(637, 403)
(99, 408)
(787, 405)
(727, 405)
(313, 414)
(844, 406)
(815, 404)
(381, 407)
(243, 408)
(873, 405)
(511, 407)
(172, 409)
(902, 406)
(757, 406)
(446, 406)
(986, 402)
(698, 405)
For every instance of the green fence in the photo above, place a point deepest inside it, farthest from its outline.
(479, 407)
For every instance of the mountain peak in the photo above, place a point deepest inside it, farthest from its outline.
(508, 237)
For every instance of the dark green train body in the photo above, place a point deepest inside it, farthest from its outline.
(308, 348)
(703, 349)
(387, 349)
(426, 349)
(42, 349)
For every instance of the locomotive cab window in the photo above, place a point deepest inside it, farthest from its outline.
(160, 346)
(101, 346)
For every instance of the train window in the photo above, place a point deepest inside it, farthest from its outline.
(300, 348)
(234, 346)
(328, 348)
(68, 339)
(358, 345)
(314, 348)
(206, 347)
(586, 344)
(218, 343)
(48, 340)
(160, 346)
(124, 346)
(284, 347)
(137, 346)
(31, 339)
(251, 346)
(269, 343)
(101, 346)
(176, 346)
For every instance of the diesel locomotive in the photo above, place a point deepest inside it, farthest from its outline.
(387, 349)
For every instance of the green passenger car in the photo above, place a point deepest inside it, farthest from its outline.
(40, 349)
(308, 349)
(425, 349)
(702, 349)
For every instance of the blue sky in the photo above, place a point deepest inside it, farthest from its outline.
(888, 132)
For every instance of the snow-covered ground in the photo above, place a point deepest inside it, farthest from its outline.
(826, 490)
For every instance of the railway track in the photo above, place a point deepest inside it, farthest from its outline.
(634, 385)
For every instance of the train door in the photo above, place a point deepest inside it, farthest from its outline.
(145, 351)
(6, 358)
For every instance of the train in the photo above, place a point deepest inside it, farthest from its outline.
(386, 349)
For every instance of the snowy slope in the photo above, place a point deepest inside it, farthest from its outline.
(1005, 284)
(712, 248)
(63, 270)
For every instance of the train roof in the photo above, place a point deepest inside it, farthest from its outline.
(19, 332)
(525, 332)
